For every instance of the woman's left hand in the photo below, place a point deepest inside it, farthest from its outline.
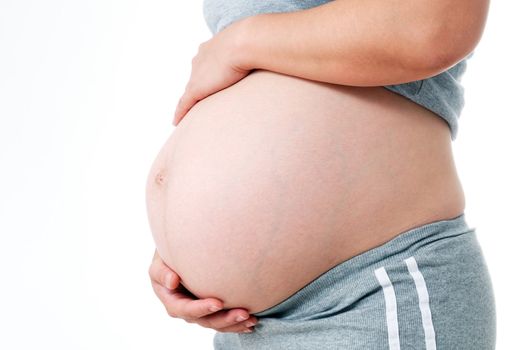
(213, 68)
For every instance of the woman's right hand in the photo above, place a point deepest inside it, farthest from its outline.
(179, 303)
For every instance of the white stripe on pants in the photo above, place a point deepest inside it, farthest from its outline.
(391, 305)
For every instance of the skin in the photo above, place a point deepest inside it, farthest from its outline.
(299, 152)
(385, 53)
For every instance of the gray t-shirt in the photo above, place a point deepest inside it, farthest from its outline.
(443, 94)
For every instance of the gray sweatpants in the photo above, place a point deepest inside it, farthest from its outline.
(428, 288)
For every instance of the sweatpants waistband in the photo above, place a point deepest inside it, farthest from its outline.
(407, 243)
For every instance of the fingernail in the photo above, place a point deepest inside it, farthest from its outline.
(241, 318)
(214, 308)
(249, 324)
(248, 331)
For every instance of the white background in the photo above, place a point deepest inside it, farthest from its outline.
(87, 92)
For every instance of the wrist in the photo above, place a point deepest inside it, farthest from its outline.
(243, 44)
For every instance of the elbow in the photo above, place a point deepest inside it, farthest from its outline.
(448, 40)
(442, 52)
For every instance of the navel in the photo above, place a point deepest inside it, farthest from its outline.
(160, 177)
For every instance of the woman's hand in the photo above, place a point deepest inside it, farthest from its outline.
(180, 304)
(213, 68)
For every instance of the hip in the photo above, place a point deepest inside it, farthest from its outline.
(428, 288)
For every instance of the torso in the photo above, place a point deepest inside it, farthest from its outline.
(267, 184)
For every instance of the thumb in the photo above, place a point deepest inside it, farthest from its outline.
(162, 274)
(170, 279)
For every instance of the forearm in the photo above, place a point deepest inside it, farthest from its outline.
(356, 42)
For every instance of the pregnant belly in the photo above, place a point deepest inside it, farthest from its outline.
(269, 183)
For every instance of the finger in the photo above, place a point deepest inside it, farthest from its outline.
(179, 304)
(238, 328)
(227, 318)
(185, 103)
(180, 110)
(162, 274)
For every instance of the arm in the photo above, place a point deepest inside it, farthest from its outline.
(363, 42)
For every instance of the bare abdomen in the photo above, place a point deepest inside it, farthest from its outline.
(269, 183)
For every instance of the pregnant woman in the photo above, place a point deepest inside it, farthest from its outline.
(308, 196)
